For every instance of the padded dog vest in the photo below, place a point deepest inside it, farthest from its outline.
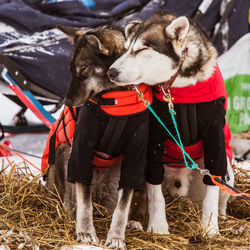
(206, 91)
(115, 103)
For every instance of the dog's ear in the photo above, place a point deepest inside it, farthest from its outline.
(71, 32)
(178, 29)
(130, 27)
(95, 41)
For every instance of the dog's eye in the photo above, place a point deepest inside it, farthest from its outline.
(83, 68)
(140, 49)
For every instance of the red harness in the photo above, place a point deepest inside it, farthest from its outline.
(126, 102)
(205, 91)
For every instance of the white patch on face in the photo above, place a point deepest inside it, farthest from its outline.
(147, 66)
(137, 45)
(93, 85)
(78, 69)
(98, 70)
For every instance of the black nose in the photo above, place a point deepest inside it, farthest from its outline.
(112, 73)
(68, 101)
(177, 184)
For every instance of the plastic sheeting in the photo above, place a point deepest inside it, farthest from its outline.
(28, 34)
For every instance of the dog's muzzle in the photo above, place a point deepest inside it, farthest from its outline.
(112, 73)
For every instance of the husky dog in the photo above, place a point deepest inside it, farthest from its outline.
(93, 53)
(169, 49)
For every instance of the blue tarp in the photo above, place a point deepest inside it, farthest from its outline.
(29, 37)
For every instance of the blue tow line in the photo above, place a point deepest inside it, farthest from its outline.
(180, 144)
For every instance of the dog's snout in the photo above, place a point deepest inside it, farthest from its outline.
(68, 101)
(112, 73)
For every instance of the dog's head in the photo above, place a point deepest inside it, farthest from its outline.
(93, 53)
(154, 49)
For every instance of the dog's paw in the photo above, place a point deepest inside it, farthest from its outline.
(115, 243)
(87, 237)
(158, 228)
(133, 225)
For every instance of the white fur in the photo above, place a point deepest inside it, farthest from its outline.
(116, 234)
(224, 197)
(84, 217)
(214, 202)
(156, 210)
(98, 70)
(94, 85)
(177, 174)
(181, 25)
(147, 67)
(210, 211)
(153, 68)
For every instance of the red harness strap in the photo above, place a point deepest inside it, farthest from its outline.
(205, 91)
(127, 102)
(227, 188)
(62, 131)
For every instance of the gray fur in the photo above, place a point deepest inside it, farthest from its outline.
(94, 51)
(148, 42)
(154, 52)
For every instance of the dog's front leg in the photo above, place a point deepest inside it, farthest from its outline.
(210, 211)
(156, 210)
(84, 214)
(116, 234)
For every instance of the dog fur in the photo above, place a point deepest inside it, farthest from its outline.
(154, 50)
(94, 51)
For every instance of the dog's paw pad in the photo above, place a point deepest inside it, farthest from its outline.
(134, 226)
(115, 243)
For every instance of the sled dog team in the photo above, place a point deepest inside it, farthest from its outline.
(106, 144)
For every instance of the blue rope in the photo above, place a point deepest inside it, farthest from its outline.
(180, 145)
(178, 135)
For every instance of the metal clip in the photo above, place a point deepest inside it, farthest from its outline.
(171, 106)
(204, 172)
(140, 95)
(168, 98)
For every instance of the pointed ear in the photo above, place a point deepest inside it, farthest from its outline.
(130, 27)
(96, 42)
(178, 29)
(71, 32)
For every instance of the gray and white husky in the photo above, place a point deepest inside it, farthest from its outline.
(154, 51)
(93, 53)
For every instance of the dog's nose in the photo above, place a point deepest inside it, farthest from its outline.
(68, 101)
(112, 73)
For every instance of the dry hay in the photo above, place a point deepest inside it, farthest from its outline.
(243, 135)
(30, 218)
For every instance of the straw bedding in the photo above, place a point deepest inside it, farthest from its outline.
(32, 218)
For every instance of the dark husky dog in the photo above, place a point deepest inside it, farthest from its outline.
(93, 53)
(163, 48)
